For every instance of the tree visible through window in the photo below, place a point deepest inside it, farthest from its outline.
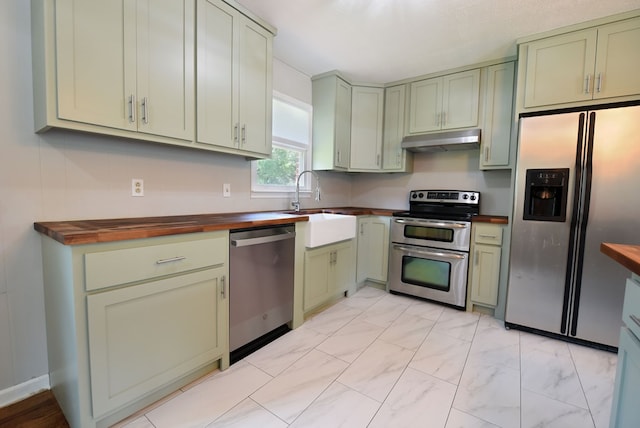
(291, 152)
(281, 170)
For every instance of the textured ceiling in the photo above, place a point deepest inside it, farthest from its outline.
(381, 41)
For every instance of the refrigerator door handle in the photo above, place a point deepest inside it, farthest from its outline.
(584, 220)
(573, 236)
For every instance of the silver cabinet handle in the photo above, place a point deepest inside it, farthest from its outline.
(476, 257)
(486, 153)
(635, 319)
(487, 236)
(444, 118)
(244, 134)
(223, 287)
(170, 260)
(599, 82)
(438, 118)
(145, 113)
(432, 223)
(132, 108)
(262, 240)
(235, 132)
(339, 157)
(587, 84)
(420, 250)
(378, 160)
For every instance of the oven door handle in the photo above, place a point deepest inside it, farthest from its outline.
(429, 253)
(432, 223)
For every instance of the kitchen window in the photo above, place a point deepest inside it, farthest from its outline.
(291, 149)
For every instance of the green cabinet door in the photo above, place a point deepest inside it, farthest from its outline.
(143, 336)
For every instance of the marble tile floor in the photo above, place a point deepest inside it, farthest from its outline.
(381, 360)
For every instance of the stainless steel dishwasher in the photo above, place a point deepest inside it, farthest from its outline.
(261, 263)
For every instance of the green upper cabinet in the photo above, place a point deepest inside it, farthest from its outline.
(426, 105)
(131, 69)
(581, 66)
(367, 106)
(618, 60)
(234, 78)
(394, 158)
(498, 119)
(124, 65)
(357, 128)
(446, 102)
(331, 123)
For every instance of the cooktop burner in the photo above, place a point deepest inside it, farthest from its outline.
(442, 204)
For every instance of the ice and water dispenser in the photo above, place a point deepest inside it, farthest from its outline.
(546, 194)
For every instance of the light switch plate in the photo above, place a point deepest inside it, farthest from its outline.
(226, 190)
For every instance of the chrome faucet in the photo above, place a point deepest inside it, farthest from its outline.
(296, 203)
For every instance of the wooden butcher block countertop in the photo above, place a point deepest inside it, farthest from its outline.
(76, 232)
(494, 219)
(627, 255)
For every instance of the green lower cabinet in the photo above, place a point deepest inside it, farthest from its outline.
(130, 322)
(328, 271)
(373, 249)
(484, 266)
(144, 336)
(625, 411)
(485, 274)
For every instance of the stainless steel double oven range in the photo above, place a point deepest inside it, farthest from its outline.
(429, 245)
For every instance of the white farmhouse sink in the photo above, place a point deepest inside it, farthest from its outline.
(325, 228)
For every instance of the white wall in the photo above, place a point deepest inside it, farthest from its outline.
(61, 175)
(448, 170)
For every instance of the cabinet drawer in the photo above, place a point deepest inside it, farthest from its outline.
(487, 234)
(122, 266)
(631, 308)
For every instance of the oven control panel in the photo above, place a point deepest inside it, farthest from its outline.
(445, 196)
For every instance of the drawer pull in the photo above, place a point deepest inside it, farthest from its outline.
(635, 319)
(171, 260)
(488, 236)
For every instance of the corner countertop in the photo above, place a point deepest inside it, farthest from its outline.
(493, 219)
(77, 232)
(627, 255)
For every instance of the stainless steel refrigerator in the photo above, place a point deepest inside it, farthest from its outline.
(577, 185)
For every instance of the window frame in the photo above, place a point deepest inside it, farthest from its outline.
(258, 190)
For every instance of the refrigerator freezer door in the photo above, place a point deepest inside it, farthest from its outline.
(539, 249)
(614, 206)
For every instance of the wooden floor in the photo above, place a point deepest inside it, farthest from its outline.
(38, 411)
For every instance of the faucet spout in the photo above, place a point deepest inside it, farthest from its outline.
(296, 203)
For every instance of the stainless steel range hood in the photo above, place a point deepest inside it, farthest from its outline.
(443, 141)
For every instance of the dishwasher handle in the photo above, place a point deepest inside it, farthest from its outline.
(262, 239)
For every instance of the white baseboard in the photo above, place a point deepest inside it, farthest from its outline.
(24, 390)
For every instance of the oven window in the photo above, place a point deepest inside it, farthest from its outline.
(426, 273)
(429, 233)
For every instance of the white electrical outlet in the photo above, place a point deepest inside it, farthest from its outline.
(137, 187)
(226, 190)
